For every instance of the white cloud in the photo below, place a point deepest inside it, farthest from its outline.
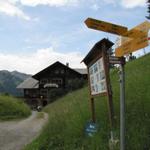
(35, 62)
(95, 7)
(95, 3)
(11, 9)
(110, 1)
(56, 3)
(127, 3)
(133, 3)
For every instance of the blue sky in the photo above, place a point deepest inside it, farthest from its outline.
(36, 33)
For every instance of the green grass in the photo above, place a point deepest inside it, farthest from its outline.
(69, 115)
(13, 108)
(40, 115)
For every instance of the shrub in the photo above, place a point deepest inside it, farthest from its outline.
(56, 93)
(74, 84)
(12, 108)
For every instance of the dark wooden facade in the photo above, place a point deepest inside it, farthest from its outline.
(32, 97)
(57, 76)
(57, 73)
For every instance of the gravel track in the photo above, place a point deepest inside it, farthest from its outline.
(14, 135)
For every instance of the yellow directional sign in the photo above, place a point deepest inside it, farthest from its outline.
(131, 40)
(105, 26)
(135, 32)
(132, 45)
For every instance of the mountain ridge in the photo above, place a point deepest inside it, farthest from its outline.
(9, 80)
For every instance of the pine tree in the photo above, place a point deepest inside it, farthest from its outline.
(148, 3)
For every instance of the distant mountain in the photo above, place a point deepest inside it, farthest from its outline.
(10, 80)
(20, 75)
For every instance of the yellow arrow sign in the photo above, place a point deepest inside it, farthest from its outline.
(132, 40)
(105, 26)
(132, 45)
(139, 30)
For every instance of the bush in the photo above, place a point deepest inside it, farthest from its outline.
(75, 84)
(56, 93)
(72, 85)
(12, 108)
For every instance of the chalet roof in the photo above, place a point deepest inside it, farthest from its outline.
(97, 48)
(33, 83)
(54, 65)
(81, 70)
(29, 83)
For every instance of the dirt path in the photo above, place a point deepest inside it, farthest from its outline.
(14, 135)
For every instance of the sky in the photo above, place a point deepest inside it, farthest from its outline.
(36, 33)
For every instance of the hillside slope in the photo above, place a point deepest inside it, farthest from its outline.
(10, 80)
(69, 115)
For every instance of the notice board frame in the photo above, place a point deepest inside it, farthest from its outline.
(101, 49)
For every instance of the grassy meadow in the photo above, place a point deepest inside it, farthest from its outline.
(13, 108)
(69, 115)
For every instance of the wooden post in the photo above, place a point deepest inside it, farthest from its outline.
(122, 107)
(108, 85)
(91, 101)
(93, 110)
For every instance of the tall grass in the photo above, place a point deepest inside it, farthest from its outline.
(69, 115)
(12, 108)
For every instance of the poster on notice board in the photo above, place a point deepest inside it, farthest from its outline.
(97, 77)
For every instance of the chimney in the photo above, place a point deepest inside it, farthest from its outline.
(67, 64)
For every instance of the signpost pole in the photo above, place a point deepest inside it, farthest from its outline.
(122, 107)
(93, 110)
(108, 85)
(109, 91)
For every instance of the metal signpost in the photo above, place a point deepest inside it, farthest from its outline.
(131, 40)
(121, 61)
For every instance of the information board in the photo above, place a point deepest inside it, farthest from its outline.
(97, 77)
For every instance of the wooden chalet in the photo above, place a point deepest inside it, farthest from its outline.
(58, 76)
